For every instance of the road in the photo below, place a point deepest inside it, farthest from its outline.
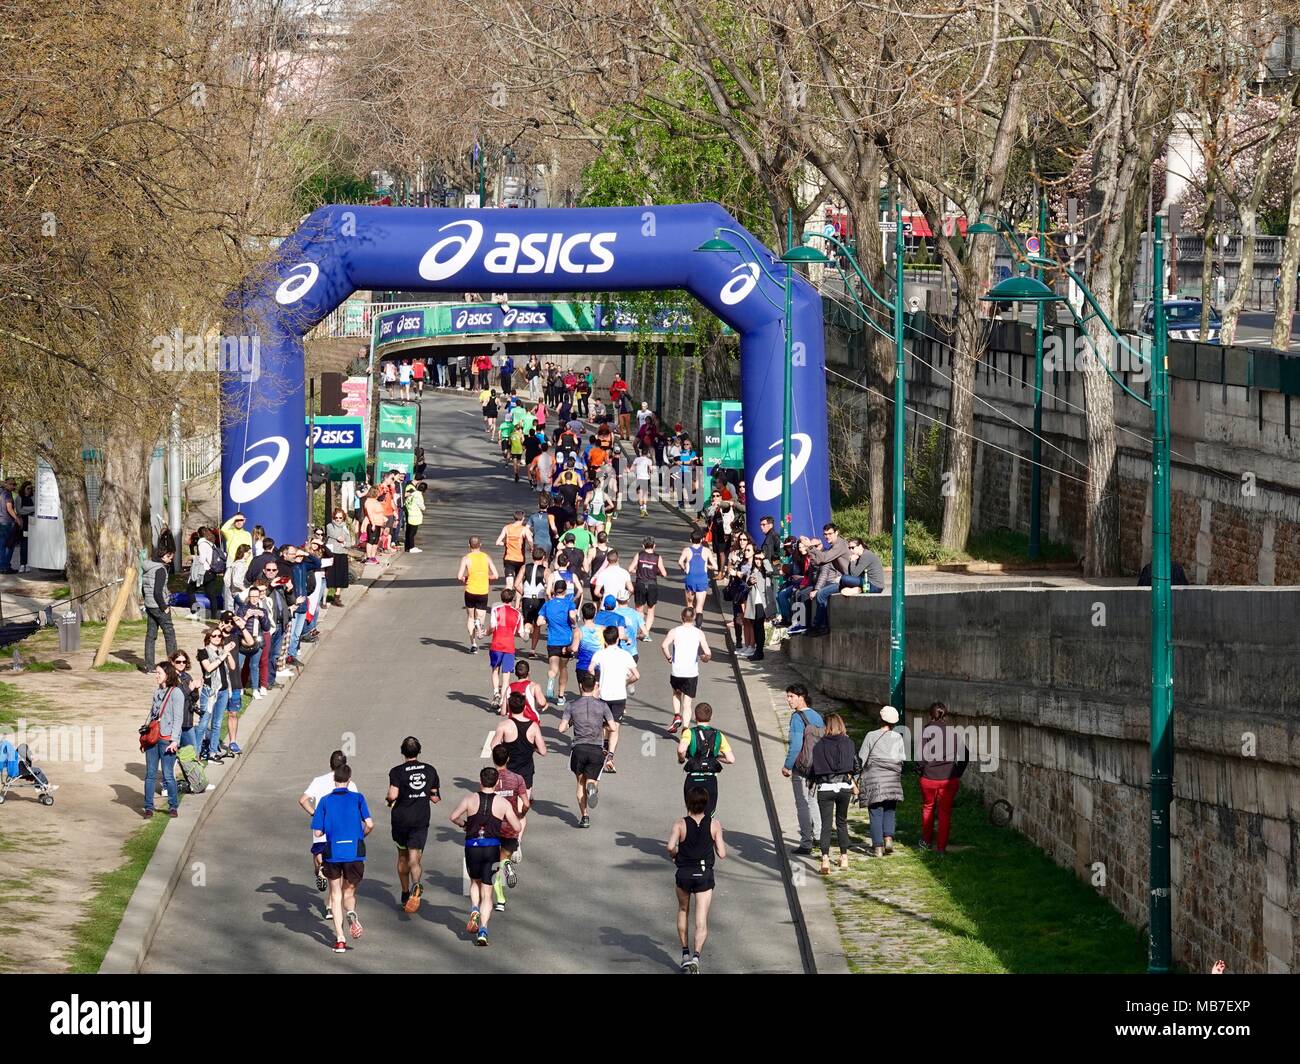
(599, 900)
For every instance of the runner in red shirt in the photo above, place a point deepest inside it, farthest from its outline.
(512, 787)
(504, 623)
(534, 697)
(417, 372)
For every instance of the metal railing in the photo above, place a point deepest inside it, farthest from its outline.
(200, 457)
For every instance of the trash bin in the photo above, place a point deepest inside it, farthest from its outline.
(69, 624)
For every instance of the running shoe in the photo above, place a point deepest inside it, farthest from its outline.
(354, 925)
(512, 876)
(329, 914)
(340, 947)
(481, 939)
(416, 550)
(234, 749)
(473, 647)
(695, 965)
(585, 822)
(257, 693)
(472, 926)
(675, 726)
(322, 884)
(499, 907)
(686, 964)
(412, 902)
(593, 794)
(559, 702)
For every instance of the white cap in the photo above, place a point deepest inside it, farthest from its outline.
(889, 714)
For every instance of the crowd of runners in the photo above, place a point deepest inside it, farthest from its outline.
(563, 616)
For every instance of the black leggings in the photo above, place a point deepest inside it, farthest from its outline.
(411, 530)
(838, 803)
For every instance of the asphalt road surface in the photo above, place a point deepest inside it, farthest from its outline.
(599, 900)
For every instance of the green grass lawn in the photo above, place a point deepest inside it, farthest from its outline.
(922, 544)
(111, 893)
(993, 903)
(16, 704)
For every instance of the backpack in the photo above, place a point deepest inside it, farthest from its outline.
(699, 763)
(811, 736)
(193, 776)
(218, 559)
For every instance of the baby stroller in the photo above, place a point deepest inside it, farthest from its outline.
(17, 770)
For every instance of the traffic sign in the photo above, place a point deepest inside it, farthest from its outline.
(828, 229)
(1032, 245)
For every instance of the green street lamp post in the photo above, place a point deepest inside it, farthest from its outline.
(797, 254)
(1031, 289)
(1036, 470)
(898, 563)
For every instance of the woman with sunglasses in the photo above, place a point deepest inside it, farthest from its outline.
(338, 540)
(216, 663)
(189, 686)
(166, 710)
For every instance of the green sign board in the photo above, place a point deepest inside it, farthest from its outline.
(399, 428)
(723, 441)
(338, 444)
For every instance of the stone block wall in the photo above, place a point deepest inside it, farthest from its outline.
(1235, 464)
(1064, 678)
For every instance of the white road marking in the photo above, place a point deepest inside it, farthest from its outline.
(487, 745)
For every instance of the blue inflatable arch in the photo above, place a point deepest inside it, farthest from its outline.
(341, 249)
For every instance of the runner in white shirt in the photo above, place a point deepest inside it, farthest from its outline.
(611, 578)
(643, 468)
(614, 669)
(685, 647)
(316, 790)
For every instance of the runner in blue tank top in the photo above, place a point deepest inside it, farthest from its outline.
(697, 563)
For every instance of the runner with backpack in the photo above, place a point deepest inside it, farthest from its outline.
(703, 750)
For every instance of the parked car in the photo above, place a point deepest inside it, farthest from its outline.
(1183, 320)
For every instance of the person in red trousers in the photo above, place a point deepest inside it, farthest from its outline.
(943, 760)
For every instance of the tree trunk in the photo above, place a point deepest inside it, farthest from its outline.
(959, 462)
(101, 548)
(1245, 275)
(1208, 257)
(1290, 259)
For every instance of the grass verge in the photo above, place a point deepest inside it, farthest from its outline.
(994, 903)
(922, 547)
(112, 891)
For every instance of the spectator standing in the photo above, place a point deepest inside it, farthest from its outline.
(882, 754)
(26, 506)
(160, 743)
(414, 514)
(157, 606)
(338, 540)
(943, 760)
(833, 771)
(802, 717)
(235, 535)
(9, 525)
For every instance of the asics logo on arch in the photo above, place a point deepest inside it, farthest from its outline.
(741, 285)
(767, 478)
(243, 490)
(514, 253)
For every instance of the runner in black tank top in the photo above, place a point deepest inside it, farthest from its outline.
(477, 815)
(646, 571)
(694, 848)
(521, 750)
